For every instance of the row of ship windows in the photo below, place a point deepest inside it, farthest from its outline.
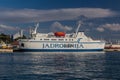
(57, 39)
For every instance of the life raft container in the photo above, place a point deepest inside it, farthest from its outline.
(59, 34)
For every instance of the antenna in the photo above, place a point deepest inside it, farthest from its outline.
(21, 33)
(79, 24)
(37, 25)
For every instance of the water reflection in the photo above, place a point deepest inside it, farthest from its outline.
(59, 66)
(65, 65)
(112, 66)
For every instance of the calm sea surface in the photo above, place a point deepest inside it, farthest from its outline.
(60, 66)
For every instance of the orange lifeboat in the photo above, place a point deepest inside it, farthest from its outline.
(59, 34)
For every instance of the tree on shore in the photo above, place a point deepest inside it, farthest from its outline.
(9, 38)
(5, 38)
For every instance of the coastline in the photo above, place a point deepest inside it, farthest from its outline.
(6, 50)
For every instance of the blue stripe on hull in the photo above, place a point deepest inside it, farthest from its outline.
(60, 50)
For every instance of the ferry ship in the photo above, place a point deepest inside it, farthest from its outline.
(60, 42)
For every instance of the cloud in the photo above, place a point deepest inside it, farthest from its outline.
(35, 15)
(112, 27)
(58, 26)
(100, 29)
(5, 27)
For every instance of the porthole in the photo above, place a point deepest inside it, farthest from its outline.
(22, 44)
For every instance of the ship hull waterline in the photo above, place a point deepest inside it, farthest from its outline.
(59, 50)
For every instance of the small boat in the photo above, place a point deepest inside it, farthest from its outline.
(112, 47)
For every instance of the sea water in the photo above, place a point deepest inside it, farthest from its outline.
(60, 66)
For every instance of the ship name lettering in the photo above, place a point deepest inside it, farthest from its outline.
(63, 45)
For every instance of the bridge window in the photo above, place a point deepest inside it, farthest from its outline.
(61, 39)
(53, 39)
(46, 39)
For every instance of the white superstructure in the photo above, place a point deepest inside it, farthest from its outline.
(59, 41)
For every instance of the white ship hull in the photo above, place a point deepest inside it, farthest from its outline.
(62, 47)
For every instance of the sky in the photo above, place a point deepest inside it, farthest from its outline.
(100, 18)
